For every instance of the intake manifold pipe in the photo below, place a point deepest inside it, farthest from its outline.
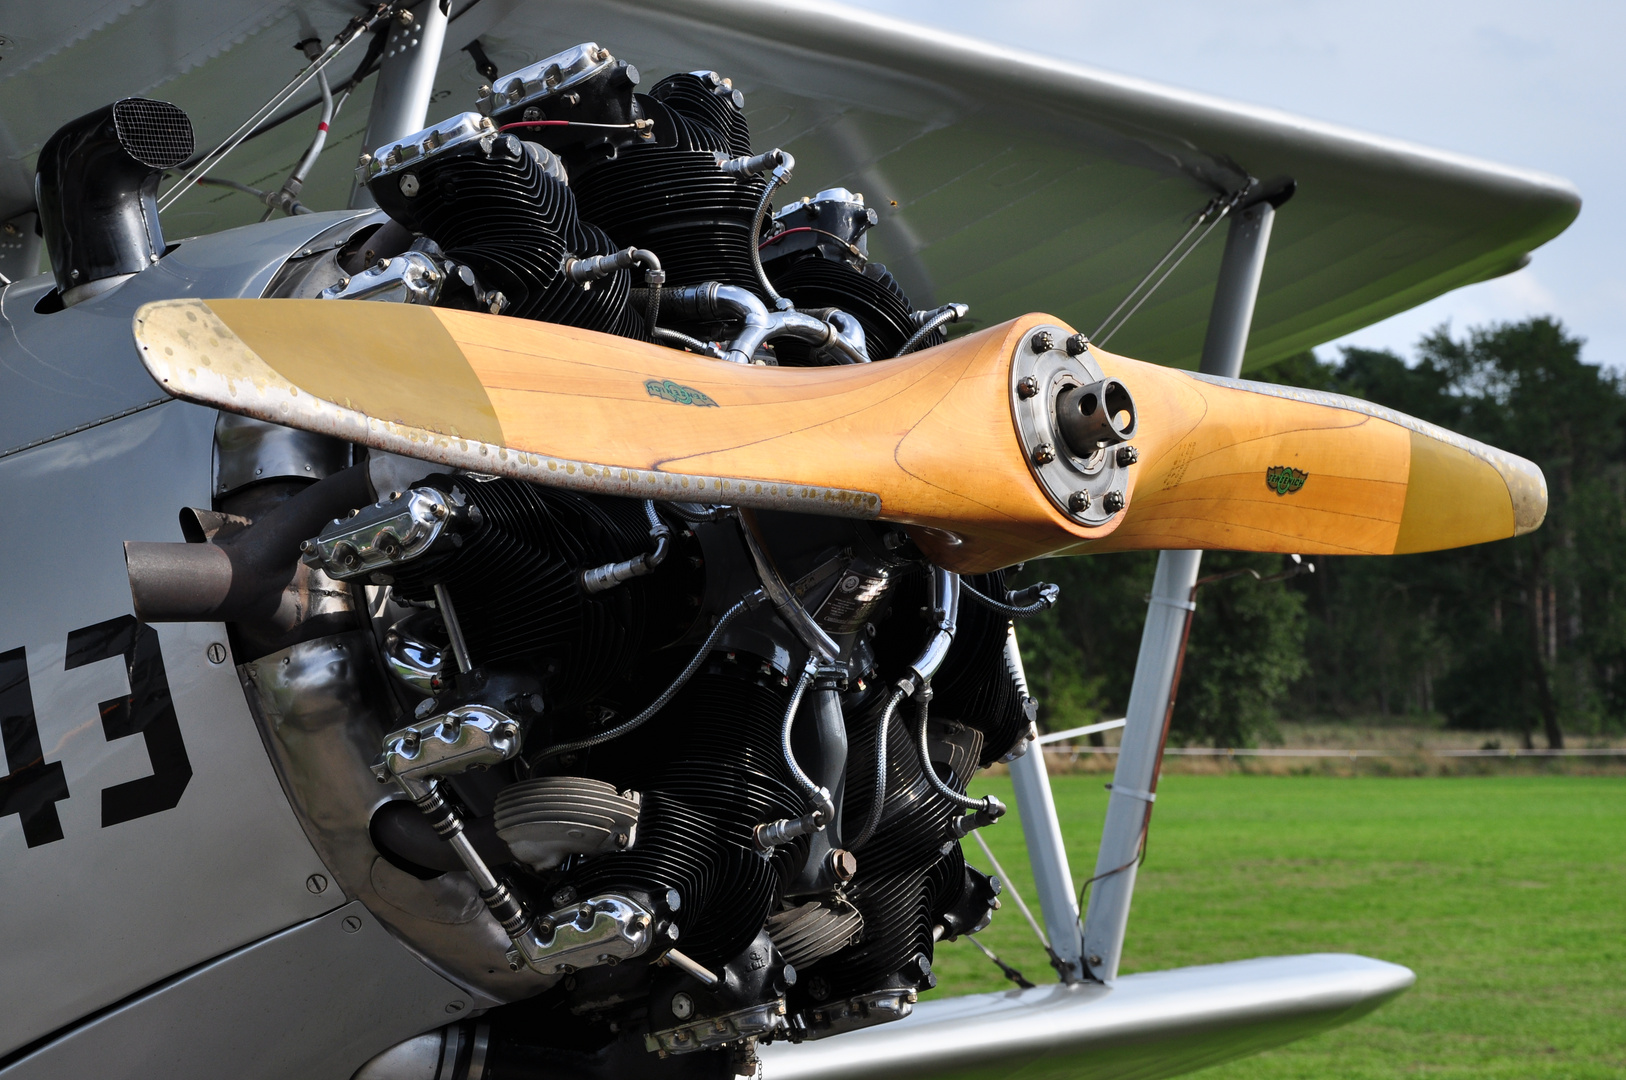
(945, 615)
(243, 576)
(714, 302)
(97, 188)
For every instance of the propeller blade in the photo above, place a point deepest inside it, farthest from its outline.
(1228, 464)
(927, 440)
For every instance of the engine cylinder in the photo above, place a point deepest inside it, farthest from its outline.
(710, 771)
(515, 582)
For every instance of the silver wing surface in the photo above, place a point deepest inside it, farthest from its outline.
(1158, 1023)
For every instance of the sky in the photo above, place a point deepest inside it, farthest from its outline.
(1539, 86)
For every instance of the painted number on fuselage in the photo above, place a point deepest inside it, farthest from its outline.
(33, 787)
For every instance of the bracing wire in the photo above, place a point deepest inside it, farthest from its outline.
(1207, 219)
(214, 157)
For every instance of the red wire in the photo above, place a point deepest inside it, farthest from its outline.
(776, 237)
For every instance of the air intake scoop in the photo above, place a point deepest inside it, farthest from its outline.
(97, 187)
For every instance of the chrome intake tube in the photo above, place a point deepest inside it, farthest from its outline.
(945, 611)
(945, 614)
(821, 802)
(830, 329)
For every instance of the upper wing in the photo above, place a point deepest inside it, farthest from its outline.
(1019, 183)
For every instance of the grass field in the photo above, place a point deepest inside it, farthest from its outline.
(1506, 894)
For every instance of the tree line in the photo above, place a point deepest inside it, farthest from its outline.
(1526, 635)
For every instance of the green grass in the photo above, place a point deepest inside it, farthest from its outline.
(1506, 894)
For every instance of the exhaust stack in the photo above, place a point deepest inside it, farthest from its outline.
(97, 187)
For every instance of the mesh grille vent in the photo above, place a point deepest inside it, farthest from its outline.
(155, 133)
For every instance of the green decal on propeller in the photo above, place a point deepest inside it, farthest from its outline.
(1282, 479)
(667, 390)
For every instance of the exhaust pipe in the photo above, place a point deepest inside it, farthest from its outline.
(97, 187)
(242, 577)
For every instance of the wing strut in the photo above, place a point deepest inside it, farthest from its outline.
(1097, 946)
(1134, 783)
(406, 79)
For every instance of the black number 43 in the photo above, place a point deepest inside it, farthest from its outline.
(34, 786)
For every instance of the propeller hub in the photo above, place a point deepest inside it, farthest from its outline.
(1073, 422)
(1096, 416)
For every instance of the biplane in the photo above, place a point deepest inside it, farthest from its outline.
(509, 506)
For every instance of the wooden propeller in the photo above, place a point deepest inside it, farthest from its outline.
(928, 440)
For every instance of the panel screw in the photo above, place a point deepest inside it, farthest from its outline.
(455, 1006)
(1077, 344)
(1113, 501)
(1044, 453)
(1043, 341)
(1027, 386)
(1127, 455)
(316, 883)
(1095, 961)
(351, 924)
(1078, 502)
(216, 652)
